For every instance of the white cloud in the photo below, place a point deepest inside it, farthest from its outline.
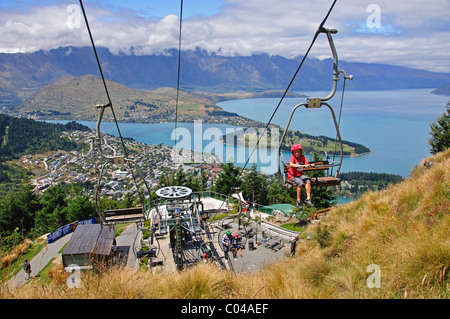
(410, 33)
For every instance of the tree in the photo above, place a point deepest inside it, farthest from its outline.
(204, 177)
(278, 194)
(80, 208)
(17, 210)
(54, 209)
(180, 177)
(127, 201)
(193, 182)
(228, 179)
(322, 197)
(440, 133)
(255, 187)
(166, 179)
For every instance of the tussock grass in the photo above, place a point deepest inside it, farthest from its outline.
(15, 253)
(403, 230)
(11, 262)
(201, 282)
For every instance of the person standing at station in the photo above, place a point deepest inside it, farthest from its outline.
(237, 245)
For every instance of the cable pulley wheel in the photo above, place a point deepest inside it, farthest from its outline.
(173, 192)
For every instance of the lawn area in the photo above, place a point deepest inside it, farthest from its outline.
(294, 227)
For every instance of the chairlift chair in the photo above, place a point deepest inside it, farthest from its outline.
(328, 164)
(114, 216)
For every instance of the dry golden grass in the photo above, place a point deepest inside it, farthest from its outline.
(14, 254)
(403, 230)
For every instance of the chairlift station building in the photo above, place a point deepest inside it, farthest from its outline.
(89, 243)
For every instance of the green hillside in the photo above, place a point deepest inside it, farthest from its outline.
(21, 136)
(75, 98)
(309, 143)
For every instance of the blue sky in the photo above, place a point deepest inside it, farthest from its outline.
(411, 33)
(149, 9)
(163, 8)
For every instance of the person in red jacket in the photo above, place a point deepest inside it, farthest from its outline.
(297, 162)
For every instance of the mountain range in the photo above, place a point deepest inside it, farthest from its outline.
(23, 74)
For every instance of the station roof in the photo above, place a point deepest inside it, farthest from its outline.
(91, 239)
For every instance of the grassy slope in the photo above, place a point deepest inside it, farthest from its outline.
(403, 230)
(77, 97)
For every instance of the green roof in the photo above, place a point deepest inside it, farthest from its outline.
(285, 208)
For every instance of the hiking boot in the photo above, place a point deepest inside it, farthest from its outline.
(299, 205)
(308, 202)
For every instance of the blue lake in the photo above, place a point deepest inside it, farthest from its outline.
(395, 125)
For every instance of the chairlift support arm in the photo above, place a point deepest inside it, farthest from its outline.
(112, 159)
(336, 70)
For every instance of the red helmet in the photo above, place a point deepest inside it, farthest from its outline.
(296, 147)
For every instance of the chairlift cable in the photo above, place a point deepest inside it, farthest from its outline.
(292, 80)
(303, 60)
(319, 29)
(179, 70)
(142, 199)
(101, 73)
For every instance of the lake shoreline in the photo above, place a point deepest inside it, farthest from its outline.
(259, 125)
(396, 135)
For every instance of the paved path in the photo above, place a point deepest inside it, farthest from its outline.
(128, 243)
(40, 261)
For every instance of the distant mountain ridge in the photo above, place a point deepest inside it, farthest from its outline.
(445, 90)
(22, 74)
